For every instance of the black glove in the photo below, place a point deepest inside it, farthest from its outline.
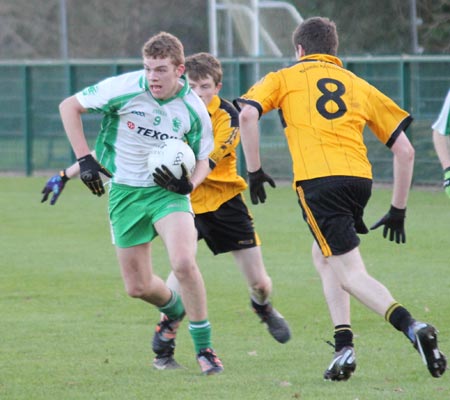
(54, 185)
(256, 182)
(89, 174)
(394, 222)
(164, 178)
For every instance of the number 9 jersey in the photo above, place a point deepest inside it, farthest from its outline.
(324, 108)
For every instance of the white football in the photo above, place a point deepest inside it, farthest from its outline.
(171, 153)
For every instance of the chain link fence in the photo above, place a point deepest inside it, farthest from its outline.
(32, 138)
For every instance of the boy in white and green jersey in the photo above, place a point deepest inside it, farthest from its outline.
(134, 122)
(140, 110)
(441, 135)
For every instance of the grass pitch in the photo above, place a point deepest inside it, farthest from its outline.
(68, 330)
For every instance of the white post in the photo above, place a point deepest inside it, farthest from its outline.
(255, 28)
(64, 47)
(212, 18)
(416, 49)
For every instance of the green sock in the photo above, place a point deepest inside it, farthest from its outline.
(174, 308)
(201, 334)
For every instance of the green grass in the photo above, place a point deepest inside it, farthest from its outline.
(68, 330)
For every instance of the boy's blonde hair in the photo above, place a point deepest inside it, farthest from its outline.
(164, 45)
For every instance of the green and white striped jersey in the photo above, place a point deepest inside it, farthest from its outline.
(134, 122)
(442, 124)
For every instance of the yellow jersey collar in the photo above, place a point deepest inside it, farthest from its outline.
(214, 104)
(322, 57)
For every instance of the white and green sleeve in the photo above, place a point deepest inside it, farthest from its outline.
(442, 124)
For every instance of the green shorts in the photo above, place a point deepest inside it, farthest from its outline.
(133, 211)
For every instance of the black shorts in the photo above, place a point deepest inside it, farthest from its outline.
(333, 207)
(228, 228)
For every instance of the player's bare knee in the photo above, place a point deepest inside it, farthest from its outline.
(136, 291)
(348, 282)
(185, 269)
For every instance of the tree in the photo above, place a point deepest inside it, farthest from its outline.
(119, 28)
(435, 28)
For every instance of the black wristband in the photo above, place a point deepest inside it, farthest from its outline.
(212, 164)
(63, 176)
(87, 157)
(446, 169)
(258, 171)
(397, 212)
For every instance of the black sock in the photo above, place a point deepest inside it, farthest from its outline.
(258, 307)
(400, 318)
(343, 336)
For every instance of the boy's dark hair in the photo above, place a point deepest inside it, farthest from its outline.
(201, 65)
(317, 35)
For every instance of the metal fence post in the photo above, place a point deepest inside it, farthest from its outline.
(26, 123)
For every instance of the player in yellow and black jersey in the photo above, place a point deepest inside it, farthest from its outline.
(324, 109)
(324, 115)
